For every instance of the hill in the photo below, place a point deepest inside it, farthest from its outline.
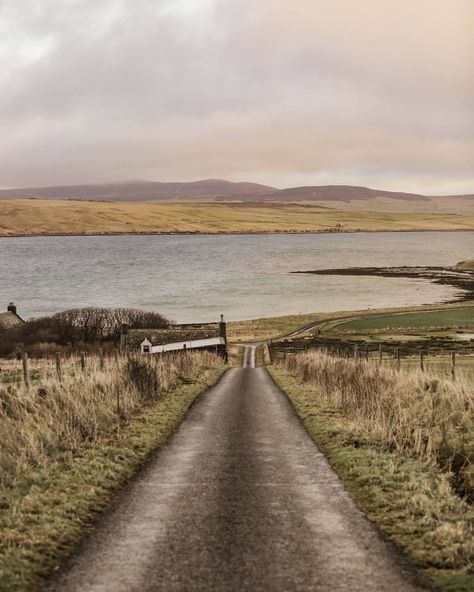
(346, 197)
(208, 189)
(66, 217)
(336, 193)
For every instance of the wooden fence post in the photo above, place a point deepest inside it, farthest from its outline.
(398, 358)
(83, 362)
(380, 353)
(453, 365)
(422, 361)
(101, 358)
(267, 354)
(123, 337)
(58, 366)
(356, 351)
(26, 372)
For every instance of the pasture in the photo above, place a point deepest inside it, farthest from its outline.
(434, 319)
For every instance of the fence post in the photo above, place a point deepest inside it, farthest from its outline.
(83, 362)
(422, 361)
(116, 356)
(58, 366)
(380, 353)
(356, 350)
(268, 354)
(398, 358)
(123, 337)
(101, 358)
(26, 372)
(453, 365)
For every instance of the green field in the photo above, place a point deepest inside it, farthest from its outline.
(453, 318)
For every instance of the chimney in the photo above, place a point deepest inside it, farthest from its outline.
(223, 328)
(12, 308)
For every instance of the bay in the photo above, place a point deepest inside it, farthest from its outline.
(197, 277)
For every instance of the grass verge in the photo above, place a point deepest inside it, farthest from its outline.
(236, 355)
(48, 509)
(412, 502)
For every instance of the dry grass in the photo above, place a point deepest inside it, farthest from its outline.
(50, 419)
(65, 452)
(49, 217)
(430, 419)
(403, 445)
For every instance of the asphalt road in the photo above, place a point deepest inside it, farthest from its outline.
(240, 499)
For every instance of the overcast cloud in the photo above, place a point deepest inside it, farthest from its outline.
(370, 92)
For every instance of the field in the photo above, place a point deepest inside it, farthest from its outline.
(461, 317)
(274, 327)
(31, 217)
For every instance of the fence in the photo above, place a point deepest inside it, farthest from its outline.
(439, 362)
(28, 370)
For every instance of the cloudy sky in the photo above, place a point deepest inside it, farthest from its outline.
(367, 92)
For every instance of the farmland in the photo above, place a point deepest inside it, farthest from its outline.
(274, 327)
(452, 318)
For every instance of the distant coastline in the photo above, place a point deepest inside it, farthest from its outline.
(233, 233)
(461, 278)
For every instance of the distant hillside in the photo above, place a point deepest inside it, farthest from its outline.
(340, 196)
(144, 191)
(337, 193)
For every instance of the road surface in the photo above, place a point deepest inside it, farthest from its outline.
(240, 499)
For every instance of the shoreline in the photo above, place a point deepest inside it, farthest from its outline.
(462, 280)
(228, 233)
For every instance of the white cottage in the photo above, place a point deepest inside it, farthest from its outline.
(203, 336)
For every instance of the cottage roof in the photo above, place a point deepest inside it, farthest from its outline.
(9, 320)
(173, 334)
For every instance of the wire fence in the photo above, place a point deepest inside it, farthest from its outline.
(437, 362)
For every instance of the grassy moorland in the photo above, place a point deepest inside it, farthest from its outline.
(67, 448)
(404, 446)
(32, 217)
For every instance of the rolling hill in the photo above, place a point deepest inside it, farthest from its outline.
(346, 197)
(208, 189)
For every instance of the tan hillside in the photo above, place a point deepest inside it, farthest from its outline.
(44, 217)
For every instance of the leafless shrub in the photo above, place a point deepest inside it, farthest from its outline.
(76, 326)
(143, 375)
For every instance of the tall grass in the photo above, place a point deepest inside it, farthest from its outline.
(50, 419)
(427, 418)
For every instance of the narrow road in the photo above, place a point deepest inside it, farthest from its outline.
(240, 499)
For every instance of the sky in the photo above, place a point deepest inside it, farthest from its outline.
(363, 92)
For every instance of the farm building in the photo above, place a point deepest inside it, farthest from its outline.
(10, 319)
(203, 336)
